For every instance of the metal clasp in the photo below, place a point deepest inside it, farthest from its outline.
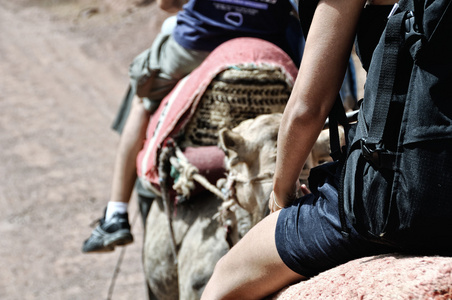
(371, 152)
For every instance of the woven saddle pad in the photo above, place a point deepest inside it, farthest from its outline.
(236, 94)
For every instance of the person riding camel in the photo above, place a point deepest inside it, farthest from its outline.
(200, 27)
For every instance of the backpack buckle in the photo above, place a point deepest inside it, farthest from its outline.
(371, 152)
(412, 30)
(413, 35)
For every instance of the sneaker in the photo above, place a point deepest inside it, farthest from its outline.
(107, 235)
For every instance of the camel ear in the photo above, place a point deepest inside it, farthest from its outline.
(231, 141)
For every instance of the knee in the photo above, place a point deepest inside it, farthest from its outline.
(138, 108)
(138, 117)
(224, 283)
(214, 288)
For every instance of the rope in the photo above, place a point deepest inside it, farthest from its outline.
(189, 174)
(118, 263)
(210, 187)
(163, 181)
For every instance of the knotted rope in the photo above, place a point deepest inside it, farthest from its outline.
(188, 174)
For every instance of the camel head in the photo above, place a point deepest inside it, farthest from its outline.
(250, 150)
(250, 159)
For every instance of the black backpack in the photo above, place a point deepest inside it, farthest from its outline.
(396, 183)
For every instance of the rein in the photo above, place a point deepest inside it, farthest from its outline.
(230, 199)
(232, 179)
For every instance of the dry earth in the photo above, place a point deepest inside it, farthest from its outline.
(63, 71)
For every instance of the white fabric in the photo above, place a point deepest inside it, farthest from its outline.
(113, 207)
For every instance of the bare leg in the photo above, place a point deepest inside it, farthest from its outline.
(131, 142)
(114, 228)
(252, 269)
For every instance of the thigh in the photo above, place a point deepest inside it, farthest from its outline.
(137, 122)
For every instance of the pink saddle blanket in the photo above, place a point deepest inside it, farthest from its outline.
(179, 106)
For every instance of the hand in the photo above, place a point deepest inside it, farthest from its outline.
(171, 6)
(304, 190)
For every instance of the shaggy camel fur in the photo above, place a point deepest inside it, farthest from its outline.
(251, 157)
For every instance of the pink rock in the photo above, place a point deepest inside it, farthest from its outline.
(392, 276)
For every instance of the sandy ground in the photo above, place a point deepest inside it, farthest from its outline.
(63, 71)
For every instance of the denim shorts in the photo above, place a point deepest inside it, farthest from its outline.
(309, 238)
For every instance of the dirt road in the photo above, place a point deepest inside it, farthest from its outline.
(63, 70)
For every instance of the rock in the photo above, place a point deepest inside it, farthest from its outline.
(391, 276)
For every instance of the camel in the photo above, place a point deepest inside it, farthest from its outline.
(200, 242)
(184, 241)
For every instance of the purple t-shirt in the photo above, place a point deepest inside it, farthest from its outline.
(205, 24)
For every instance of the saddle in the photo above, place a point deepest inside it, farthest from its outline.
(241, 79)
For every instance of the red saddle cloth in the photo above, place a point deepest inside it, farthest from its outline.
(179, 106)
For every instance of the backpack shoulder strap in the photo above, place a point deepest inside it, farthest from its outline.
(393, 40)
(336, 117)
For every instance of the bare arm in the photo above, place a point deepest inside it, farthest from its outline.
(322, 70)
(171, 6)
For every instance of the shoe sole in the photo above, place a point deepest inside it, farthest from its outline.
(119, 238)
